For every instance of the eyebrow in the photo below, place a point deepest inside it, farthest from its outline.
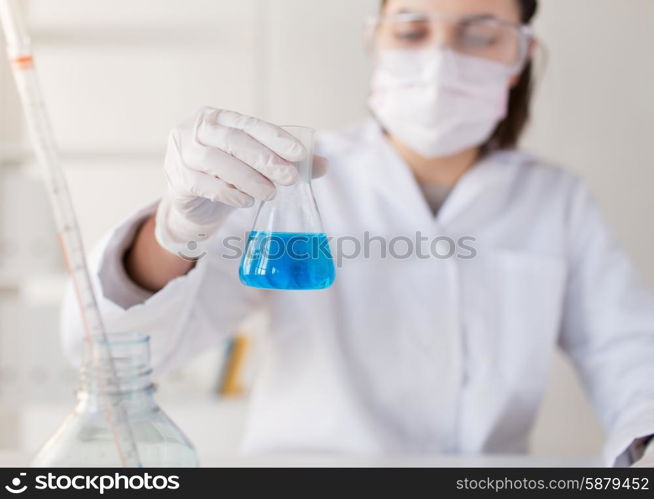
(465, 18)
(411, 12)
(480, 17)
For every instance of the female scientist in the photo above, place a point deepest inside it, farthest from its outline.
(405, 353)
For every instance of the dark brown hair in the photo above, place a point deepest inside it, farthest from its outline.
(508, 132)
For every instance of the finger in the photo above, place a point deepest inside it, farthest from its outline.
(248, 150)
(216, 190)
(320, 166)
(273, 137)
(222, 165)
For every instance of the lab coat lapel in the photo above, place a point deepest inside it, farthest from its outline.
(396, 180)
(476, 191)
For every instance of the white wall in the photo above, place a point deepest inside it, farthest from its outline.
(595, 107)
(119, 74)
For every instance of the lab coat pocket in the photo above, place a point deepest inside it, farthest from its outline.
(532, 295)
(523, 297)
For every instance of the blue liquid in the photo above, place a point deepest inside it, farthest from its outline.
(287, 260)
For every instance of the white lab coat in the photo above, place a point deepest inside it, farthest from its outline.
(418, 354)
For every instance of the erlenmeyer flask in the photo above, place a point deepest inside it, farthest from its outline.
(86, 438)
(287, 247)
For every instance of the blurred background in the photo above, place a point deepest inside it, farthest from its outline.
(117, 75)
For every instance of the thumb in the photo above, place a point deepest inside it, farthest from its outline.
(320, 166)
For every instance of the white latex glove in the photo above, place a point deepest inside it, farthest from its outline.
(647, 461)
(218, 161)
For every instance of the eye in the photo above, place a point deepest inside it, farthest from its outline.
(478, 42)
(411, 32)
(411, 35)
(478, 36)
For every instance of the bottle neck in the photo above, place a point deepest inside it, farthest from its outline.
(117, 370)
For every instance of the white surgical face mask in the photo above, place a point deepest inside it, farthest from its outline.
(438, 102)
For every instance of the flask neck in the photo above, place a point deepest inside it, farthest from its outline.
(118, 369)
(306, 136)
(293, 210)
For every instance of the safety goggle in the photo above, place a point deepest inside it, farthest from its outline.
(481, 36)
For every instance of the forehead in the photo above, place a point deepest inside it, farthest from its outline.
(507, 10)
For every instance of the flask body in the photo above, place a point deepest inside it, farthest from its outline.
(287, 248)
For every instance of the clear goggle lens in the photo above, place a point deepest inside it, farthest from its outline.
(484, 37)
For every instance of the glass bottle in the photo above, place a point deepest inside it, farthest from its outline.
(85, 438)
(287, 247)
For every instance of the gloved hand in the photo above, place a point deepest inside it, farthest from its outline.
(218, 161)
(647, 461)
